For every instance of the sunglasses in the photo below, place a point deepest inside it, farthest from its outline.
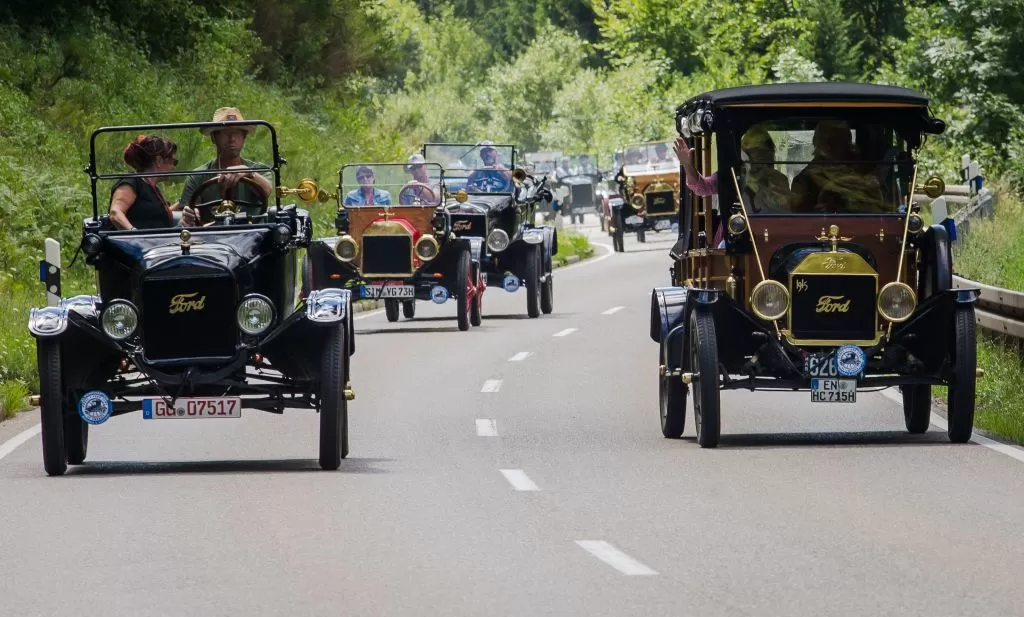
(364, 177)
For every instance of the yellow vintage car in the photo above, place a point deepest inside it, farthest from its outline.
(649, 186)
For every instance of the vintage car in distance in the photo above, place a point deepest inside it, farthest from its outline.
(608, 192)
(819, 274)
(395, 243)
(192, 323)
(578, 186)
(493, 205)
(543, 164)
(649, 185)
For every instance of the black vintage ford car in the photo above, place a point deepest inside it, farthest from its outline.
(493, 205)
(192, 323)
(816, 271)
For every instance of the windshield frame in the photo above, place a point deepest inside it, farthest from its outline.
(455, 174)
(344, 189)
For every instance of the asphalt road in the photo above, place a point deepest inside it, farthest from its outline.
(518, 469)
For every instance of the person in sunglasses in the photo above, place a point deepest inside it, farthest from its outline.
(367, 194)
(136, 202)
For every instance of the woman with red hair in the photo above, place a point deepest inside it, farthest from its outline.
(136, 202)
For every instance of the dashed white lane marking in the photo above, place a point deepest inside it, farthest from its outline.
(491, 385)
(519, 357)
(486, 428)
(613, 310)
(519, 480)
(11, 444)
(565, 332)
(615, 558)
(997, 446)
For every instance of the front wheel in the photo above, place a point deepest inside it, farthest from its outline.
(51, 407)
(704, 365)
(391, 310)
(409, 309)
(333, 406)
(533, 274)
(463, 283)
(917, 408)
(641, 236)
(476, 308)
(964, 360)
(618, 236)
(600, 221)
(672, 399)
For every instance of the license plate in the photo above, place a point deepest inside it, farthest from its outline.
(634, 220)
(821, 365)
(833, 390)
(662, 225)
(378, 292)
(192, 408)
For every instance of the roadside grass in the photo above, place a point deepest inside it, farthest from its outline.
(572, 243)
(993, 251)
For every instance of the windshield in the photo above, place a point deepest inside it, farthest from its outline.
(644, 158)
(801, 165)
(543, 162)
(477, 168)
(391, 184)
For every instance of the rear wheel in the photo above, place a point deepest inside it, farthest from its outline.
(463, 283)
(409, 309)
(704, 365)
(476, 309)
(641, 236)
(964, 360)
(533, 273)
(547, 290)
(391, 310)
(917, 408)
(672, 398)
(51, 407)
(333, 406)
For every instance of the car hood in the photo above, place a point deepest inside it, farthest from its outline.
(232, 249)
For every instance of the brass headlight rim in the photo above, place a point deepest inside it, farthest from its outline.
(770, 283)
(732, 218)
(432, 240)
(878, 302)
(355, 246)
(637, 202)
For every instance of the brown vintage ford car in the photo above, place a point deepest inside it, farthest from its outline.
(804, 263)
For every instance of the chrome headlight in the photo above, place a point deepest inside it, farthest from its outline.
(497, 240)
(255, 314)
(327, 305)
(427, 247)
(896, 302)
(737, 225)
(346, 248)
(120, 320)
(769, 300)
(48, 320)
(533, 236)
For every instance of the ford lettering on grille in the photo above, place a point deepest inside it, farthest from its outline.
(835, 307)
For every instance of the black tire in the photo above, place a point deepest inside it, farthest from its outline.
(391, 310)
(703, 361)
(963, 352)
(600, 221)
(76, 439)
(547, 290)
(409, 309)
(581, 219)
(307, 276)
(532, 273)
(333, 406)
(672, 394)
(618, 236)
(463, 271)
(917, 408)
(476, 309)
(51, 407)
(641, 236)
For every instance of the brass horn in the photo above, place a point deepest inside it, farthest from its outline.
(518, 175)
(307, 190)
(933, 187)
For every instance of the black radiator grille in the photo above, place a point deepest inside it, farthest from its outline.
(833, 307)
(469, 225)
(189, 316)
(383, 255)
(660, 202)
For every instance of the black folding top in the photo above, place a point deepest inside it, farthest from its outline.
(824, 92)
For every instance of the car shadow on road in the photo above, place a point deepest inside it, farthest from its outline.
(131, 468)
(853, 439)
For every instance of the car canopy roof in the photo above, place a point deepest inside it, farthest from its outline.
(842, 93)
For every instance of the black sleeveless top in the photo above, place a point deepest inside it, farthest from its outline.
(148, 211)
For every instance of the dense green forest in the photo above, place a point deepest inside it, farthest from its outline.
(350, 79)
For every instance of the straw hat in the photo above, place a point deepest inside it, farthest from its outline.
(227, 114)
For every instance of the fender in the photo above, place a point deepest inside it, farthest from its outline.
(52, 321)
(550, 240)
(668, 309)
(938, 257)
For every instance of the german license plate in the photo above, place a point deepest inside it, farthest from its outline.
(833, 390)
(192, 408)
(378, 292)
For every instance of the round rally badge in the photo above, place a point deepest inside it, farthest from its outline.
(510, 283)
(439, 294)
(95, 407)
(850, 360)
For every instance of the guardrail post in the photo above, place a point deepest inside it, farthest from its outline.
(49, 271)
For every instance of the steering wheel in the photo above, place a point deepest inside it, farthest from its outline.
(217, 210)
(412, 194)
(489, 181)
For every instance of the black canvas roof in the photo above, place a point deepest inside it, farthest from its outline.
(824, 92)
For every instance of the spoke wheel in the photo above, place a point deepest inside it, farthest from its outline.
(476, 309)
(51, 407)
(703, 356)
(409, 309)
(960, 422)
(532, 273)
(76, 439)
(463, 283)
(672, 401)
(917, 408)
(391, 310)
(333, 406)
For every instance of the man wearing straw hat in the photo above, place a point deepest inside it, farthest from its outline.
(229, 142)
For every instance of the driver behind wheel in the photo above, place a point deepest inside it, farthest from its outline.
(488, 178)
(421, 189)
(229, 143)
(367, 194)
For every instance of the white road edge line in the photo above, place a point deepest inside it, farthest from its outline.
(565, 332)
(367, 315)
(519, 480)
(1003, 448)
(491, 385)
(519, 357)
(615, 558)
(589, 262)
(11, 444)
(613, 310)
(486, 428)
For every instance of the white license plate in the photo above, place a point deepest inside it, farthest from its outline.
(662, 225)
(192, 408)
(378, 292)
(634, 220)
(833, 390)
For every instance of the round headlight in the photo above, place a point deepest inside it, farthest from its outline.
(255, 314)
(896, 302)
(427, 247)
(346, 248)
(637, 202)
(769, 300)
(737, 224)
(120, 320)
(915, 225)
(497, 240)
